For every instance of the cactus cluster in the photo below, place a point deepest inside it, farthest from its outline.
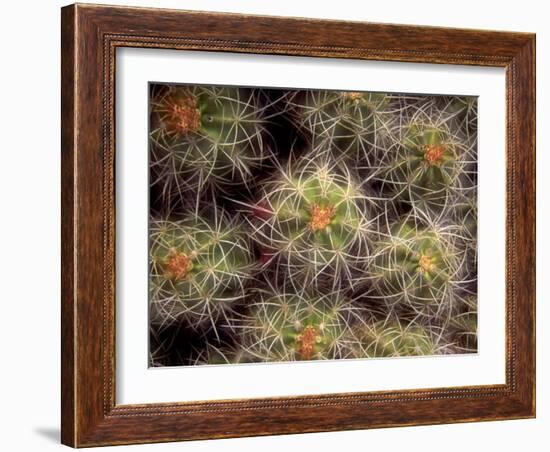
(292, 225)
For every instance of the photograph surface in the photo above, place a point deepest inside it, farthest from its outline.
(296, 224)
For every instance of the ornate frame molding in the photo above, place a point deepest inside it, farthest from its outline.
(90, 37)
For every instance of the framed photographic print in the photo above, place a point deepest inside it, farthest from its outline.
(278, 225)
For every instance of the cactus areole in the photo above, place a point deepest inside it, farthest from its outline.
(178, 265)
(320, 217)
(306, 342)
(354, 96)
(426, 264)
(183, 115)
(433, 153)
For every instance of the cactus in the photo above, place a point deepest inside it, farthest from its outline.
(463, 112)
(393, 338)
(463, 325)
(347, 124)
(198, 269)
(205, 137)
(224, 354)
(416, 265)
(300, 326)
(464, 215)
(314, 221)
(424, 169)
(158, 355)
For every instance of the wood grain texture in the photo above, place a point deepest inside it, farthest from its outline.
(90, 36)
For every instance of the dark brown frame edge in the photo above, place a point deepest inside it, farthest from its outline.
(90, 36)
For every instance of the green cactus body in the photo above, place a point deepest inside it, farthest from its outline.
(391, 339)
(206, 136)
(296, 327)
(343, 123)
(316, 221)
(415, 266)
(425, 167)
(198, 269)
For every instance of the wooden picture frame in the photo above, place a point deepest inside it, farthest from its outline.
(90, 36)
